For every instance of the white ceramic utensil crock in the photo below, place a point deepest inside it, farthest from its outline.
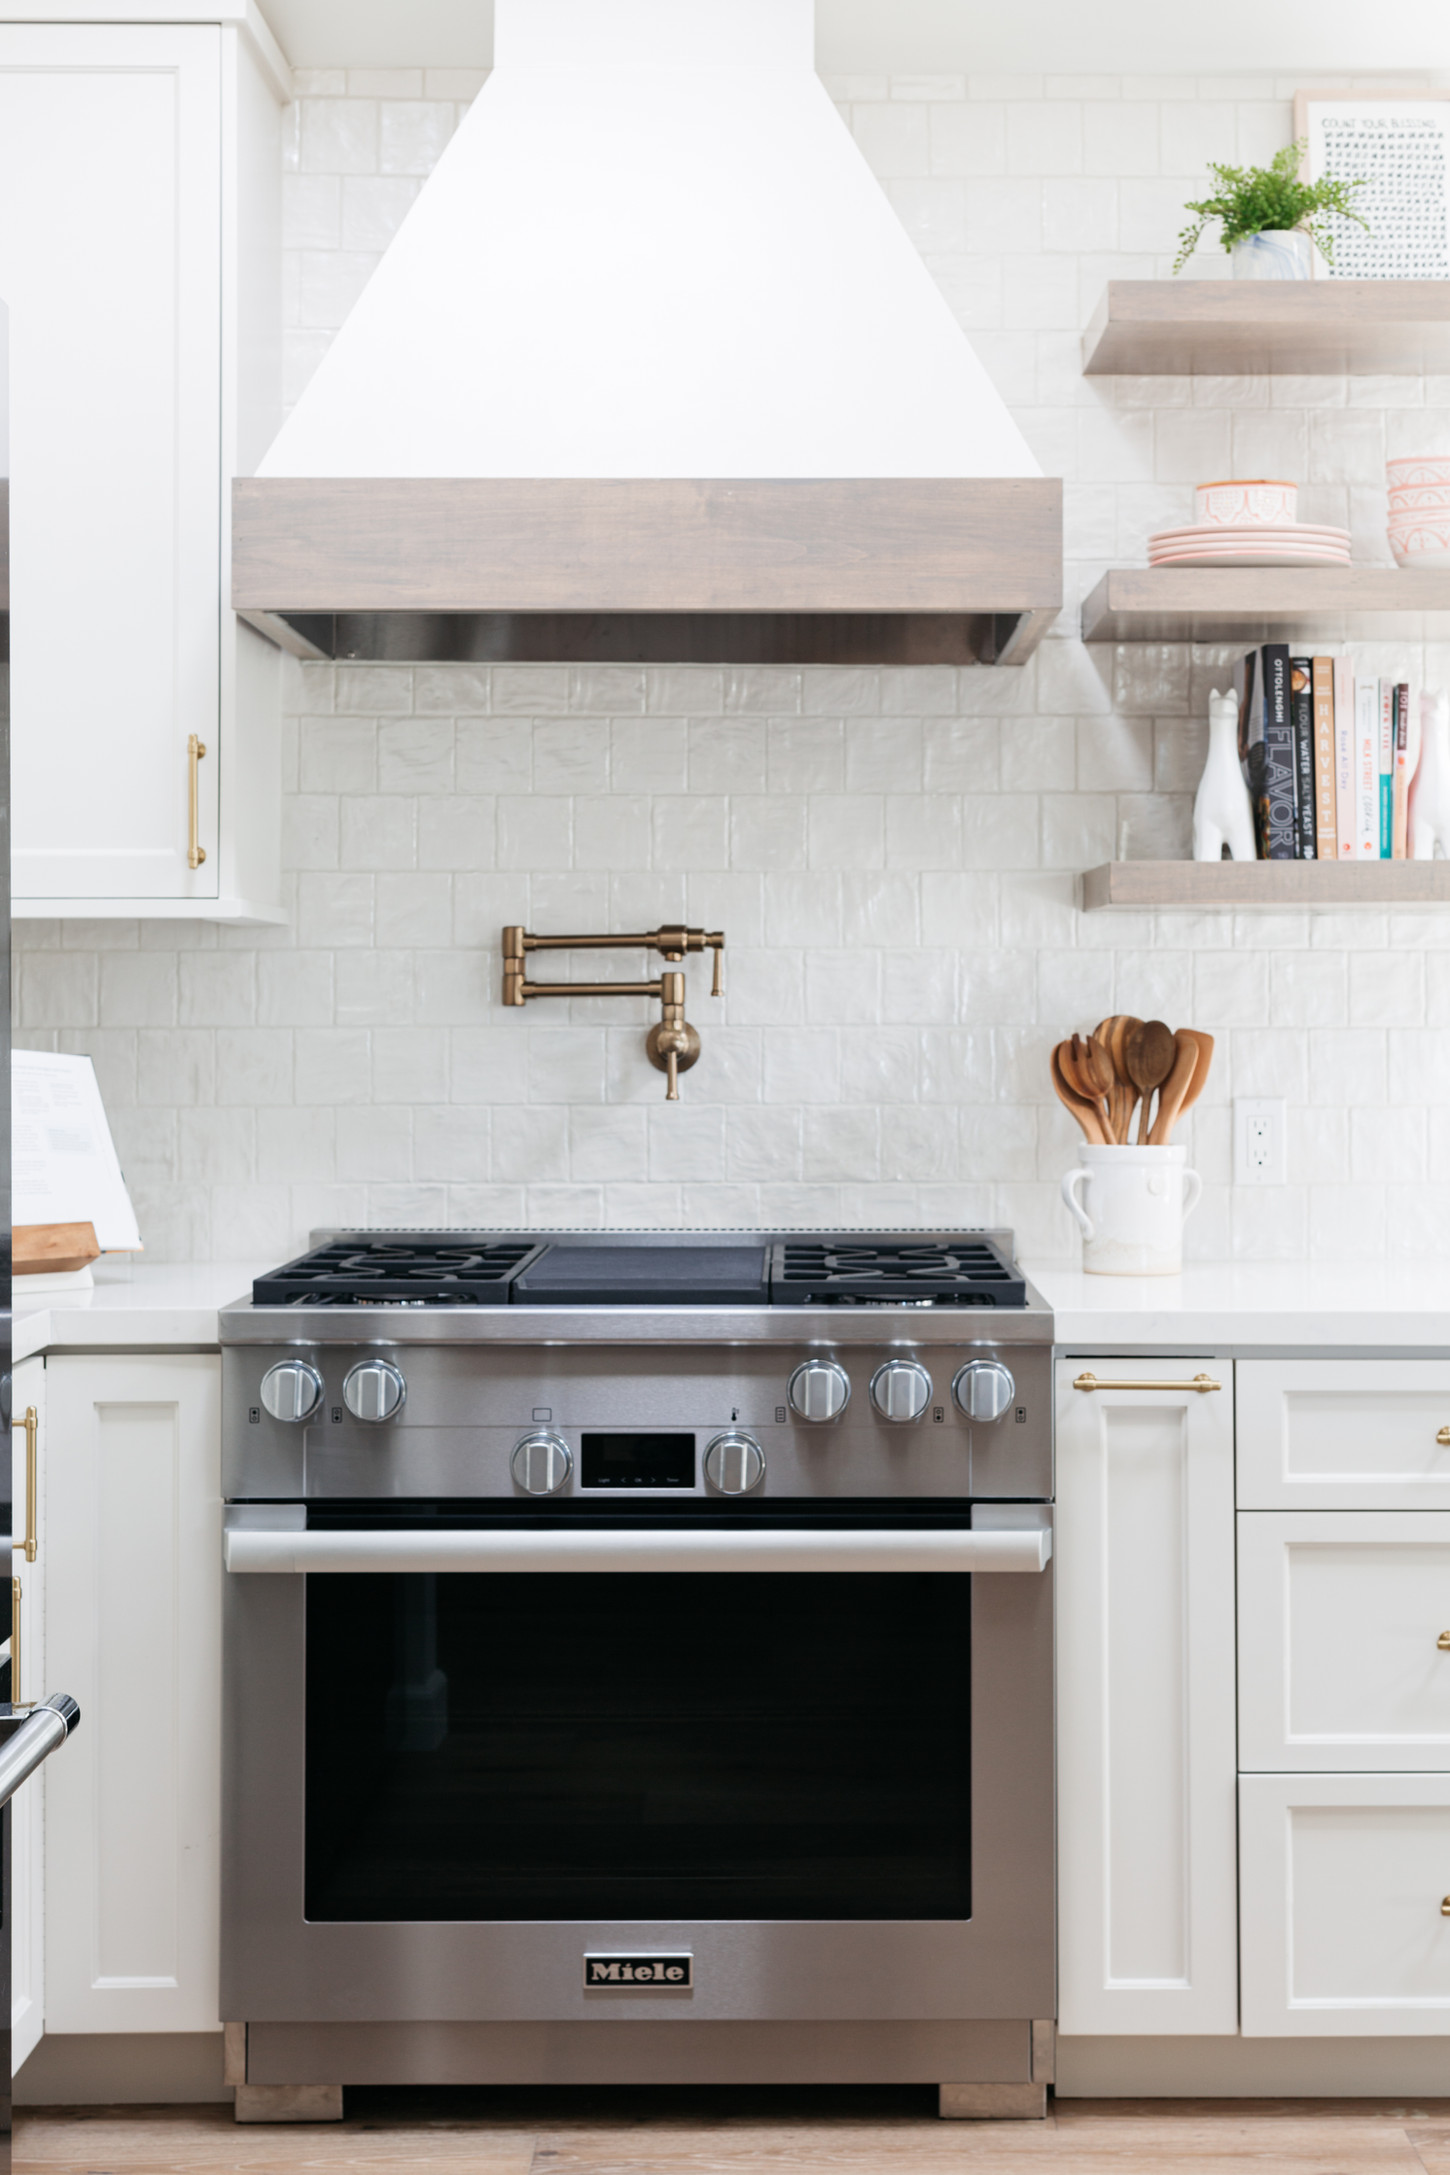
(1136, 1202)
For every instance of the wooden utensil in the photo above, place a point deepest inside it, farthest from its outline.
(1149, 1051)
(1205, 1059)
(1087, 1067)
(1086, 1112)
(1175, 1088)
(1119, 1029)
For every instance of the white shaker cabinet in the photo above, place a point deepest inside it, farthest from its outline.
(139, 236)
(1144, 1558)
(133, 1613)
(27, 1609)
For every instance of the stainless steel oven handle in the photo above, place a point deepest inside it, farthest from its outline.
(250, 1549)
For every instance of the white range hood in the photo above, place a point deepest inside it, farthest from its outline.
(651, 346)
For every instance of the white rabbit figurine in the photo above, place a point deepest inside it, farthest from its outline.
(1430, 793)
(1222, 812)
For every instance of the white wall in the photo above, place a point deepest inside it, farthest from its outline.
(893, 855)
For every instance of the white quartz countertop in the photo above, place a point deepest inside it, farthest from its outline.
(173, 1305)
(1265, 1303)
(150, 1305)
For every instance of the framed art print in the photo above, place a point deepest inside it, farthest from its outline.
(1398, 143)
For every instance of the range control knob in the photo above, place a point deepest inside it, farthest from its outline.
(901, 1390)
(983, 1389)
(373, 1389)
(291, 1390)
(820, 1389)
(734, 1463)
(541, 1463)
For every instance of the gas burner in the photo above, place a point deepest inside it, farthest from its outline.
(894, 1272)
(387, 1272)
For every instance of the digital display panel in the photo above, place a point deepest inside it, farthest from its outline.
(637, 1461)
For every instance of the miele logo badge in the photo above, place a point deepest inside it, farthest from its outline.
(639, 1973)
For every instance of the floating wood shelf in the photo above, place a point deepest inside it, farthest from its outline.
(1232, 328)
(1316, 886)
(1262, 604)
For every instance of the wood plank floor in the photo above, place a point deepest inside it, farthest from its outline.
(746, 2132)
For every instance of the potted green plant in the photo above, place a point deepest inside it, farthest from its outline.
(1270, 218)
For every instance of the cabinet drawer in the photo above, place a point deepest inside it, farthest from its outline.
(1339, 1617)
(1343, 1434)
(1342, 1883)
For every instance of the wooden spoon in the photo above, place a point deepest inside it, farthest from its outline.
(1113, 1033)
(1175, 1088)
(1150, 1051)
(1205, 1059)
(1086, 1112)
(1087, 1067)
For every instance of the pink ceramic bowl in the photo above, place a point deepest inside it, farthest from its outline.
(1256, 499)
(1418, 468)
(1418, 497)
(1421, 540)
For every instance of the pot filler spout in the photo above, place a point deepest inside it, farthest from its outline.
(651, 373)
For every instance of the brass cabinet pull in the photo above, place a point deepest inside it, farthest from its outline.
(15, 1600)
(1445, 1906)
(1443, 1642)
(31, 1425)
(1200, 1382)
(196, 852)
(1443, 1438)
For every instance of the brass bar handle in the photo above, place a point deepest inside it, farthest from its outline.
(1443, 1438)
(16, 1597)
(1200, 1382)
(1445, 1906)
(1443, 1642)
(195, 750)
(31, 1425)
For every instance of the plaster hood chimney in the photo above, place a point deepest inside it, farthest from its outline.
(651, 372)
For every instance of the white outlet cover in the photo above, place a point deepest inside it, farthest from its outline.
(1260, 1141)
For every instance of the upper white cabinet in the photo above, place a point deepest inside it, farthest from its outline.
(139, 238)
(1144, 1558)
(1344, 1434)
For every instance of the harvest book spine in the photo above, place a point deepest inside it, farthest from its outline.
(1344, 777)
(1301, 710)
(1325, 839)
(1278, 751)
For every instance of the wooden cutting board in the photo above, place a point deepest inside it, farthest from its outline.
(45, 1249)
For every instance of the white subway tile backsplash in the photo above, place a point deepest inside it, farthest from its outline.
(893, 853)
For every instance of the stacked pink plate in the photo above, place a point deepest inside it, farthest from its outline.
(1249, 521)
(1250, 543)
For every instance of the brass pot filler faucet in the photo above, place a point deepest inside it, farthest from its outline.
(673, 1046)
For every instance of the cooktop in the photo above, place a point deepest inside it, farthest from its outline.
(649, 1269)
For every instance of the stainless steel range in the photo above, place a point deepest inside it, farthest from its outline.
(639, 1663)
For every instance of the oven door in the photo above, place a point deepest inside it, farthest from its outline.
(732, 1762)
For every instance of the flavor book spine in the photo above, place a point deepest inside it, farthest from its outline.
(1346, 820)
(1301, 711)
(1279, 766)
(1249, 688)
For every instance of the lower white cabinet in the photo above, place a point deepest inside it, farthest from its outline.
(1346, 1905)
(1344, 1640)
(1144, 1560)
(133, 1610)
(27, 1807)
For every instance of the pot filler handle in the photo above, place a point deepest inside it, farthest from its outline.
(252, 1548)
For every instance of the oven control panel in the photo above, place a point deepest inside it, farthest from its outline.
(905, 1420)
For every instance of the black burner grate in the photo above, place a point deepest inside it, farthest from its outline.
(893, 1272)
(391, 1272)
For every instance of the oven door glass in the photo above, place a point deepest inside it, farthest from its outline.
(594, 1746)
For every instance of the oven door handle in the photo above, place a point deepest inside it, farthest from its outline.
(251, 1548)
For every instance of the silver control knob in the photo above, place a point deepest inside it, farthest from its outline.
(541, 1463)
(820, 1389)
(901, 1390)
(291, 1390)
(983, 1389)
(734, 1463)
(373, 1389)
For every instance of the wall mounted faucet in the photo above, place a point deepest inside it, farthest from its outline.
(673, 1045)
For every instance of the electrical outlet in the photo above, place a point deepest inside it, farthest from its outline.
(1260, 1147)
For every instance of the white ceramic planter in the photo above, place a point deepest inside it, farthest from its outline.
(1134, 1206)
(1287, 254)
